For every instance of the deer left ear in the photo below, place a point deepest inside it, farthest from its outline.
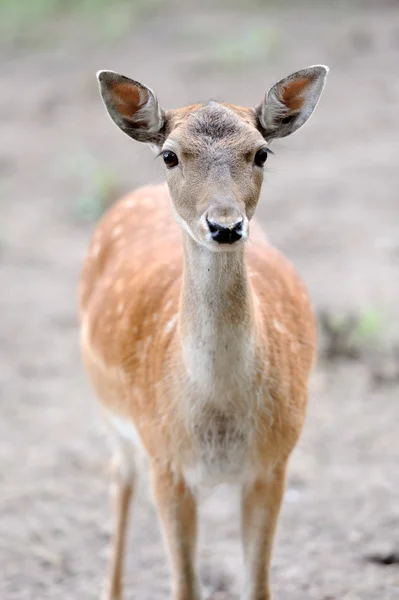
(290, 102)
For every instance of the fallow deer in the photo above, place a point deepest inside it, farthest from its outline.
(197, 335)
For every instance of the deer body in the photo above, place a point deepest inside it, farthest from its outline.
(199, 347)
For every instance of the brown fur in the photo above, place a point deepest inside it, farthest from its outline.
(292, 93)
(130, 290)
(133, 272)
(126, 101)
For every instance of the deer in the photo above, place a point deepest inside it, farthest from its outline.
(197, 335)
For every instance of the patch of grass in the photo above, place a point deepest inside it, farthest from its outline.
(365, 336)
(100, 187)
(370, 326)
(350, 335)
(241, 47)
(102, 191)
(337, 330)
(17, 17)
(115, 18)
(21, 20)
(235, 51)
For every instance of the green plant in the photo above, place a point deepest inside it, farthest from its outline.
(23, 20)
(348, 335)
(102, 190)
(370, 325)
(98, 182)
(244, 47)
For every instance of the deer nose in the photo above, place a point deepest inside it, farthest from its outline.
(223, 234)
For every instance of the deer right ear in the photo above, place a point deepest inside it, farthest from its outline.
(133, 107)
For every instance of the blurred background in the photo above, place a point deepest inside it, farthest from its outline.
(330, 202)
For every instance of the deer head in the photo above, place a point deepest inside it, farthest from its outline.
(214, 153)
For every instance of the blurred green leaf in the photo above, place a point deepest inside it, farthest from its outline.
(370, 325)
(241, 49)
(99, 184)
(102, 190)
(21, 19)
(237, 49)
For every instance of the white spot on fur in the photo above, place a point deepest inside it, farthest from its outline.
(116, 231)
(278, 326)
(294, 347)
(120, 308)
(170, 324)
(95, 250)
(146, 345)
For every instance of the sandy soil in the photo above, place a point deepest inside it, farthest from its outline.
(330, 202)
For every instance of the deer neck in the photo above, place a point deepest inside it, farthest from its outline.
(217, 318)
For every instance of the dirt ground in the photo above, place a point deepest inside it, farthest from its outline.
(330, 201)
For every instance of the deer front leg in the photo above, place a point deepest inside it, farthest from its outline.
(178, 513)
(122, 496)
(125, 480)
(261, 501)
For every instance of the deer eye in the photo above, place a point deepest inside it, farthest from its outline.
(261, 157)
(170, 159)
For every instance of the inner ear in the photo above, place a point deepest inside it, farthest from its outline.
(133, 107)
(127, 99)
(291, 94)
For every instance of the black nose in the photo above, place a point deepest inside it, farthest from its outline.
(225, 235)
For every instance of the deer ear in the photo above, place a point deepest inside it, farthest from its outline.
(133, 107)
(290, 102)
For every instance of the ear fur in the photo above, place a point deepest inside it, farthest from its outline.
(290, 102)
(133, 107)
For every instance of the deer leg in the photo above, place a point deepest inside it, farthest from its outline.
(125, 482)
(261, 501)
(178, 513)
